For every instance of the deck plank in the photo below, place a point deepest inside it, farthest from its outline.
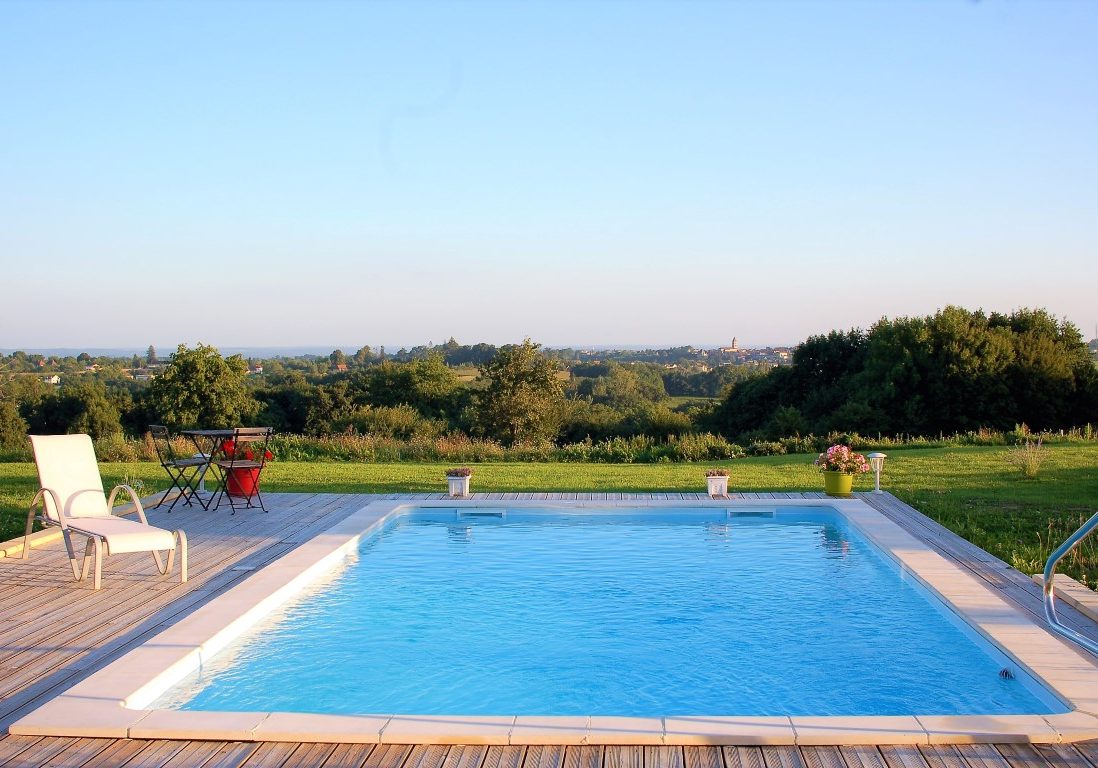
(982, 756)
(351, 756)
(150, 754)
(388, 756)
(822, 757)
(427, 756)
(586, 756)
(116, 752)
(942, 756)
(1022, 756)
(903, 756)
(663, 757)
(703, 757)
(229, 754)
(41, 752)
(1063, 756)
(269, 754)
(543, 756)
(504, 757)
(466, 756)
(1089, 751)
(782, 757)
(309, 755)
(12, 746)
(743, 757)
(623, 757)
(862, 757)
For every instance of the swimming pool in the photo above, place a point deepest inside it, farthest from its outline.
(121, 699)
(627, 612)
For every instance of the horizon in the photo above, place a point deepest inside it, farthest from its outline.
(321, 350)
(267, 175)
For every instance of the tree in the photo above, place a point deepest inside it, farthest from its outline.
(1049, 366)
(337, 358)
(523, 400)
(13, 430)
(364, 356)
(150, 355)
(201, 389)
(81, 407)
(427, 385)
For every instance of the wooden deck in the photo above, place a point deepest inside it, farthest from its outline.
(54, 632)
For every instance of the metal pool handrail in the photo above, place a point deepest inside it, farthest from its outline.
(1050, 573)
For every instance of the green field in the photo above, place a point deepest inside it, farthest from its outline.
(971, 490)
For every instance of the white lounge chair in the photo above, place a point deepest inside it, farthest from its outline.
(72, 497)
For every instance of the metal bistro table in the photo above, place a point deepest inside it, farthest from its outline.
(208, 444)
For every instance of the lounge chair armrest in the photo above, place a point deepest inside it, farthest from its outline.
(40, 496)
(133, 495)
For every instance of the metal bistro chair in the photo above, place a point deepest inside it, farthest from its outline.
(185, 472)
(241, 463)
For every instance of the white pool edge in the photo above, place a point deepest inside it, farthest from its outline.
(114, 701)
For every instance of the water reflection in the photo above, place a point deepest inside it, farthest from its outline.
(834, 540)
(718, 532)
(459, 532)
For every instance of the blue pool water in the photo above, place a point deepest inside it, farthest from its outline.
(786, 611)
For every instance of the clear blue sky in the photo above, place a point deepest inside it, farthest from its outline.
(351, 173)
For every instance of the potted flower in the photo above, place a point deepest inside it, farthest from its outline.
(839, 464)
(458, 480)
(717, 480)
(242, 463)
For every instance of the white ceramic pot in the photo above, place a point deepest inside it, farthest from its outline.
(718, 486)
(459, 486)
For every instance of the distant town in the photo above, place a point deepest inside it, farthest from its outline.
(143, 367)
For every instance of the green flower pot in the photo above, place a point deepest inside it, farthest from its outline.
(838, 483)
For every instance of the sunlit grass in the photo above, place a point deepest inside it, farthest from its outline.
(973, 491)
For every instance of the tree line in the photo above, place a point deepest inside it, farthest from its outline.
(951, 372)
(954, 371)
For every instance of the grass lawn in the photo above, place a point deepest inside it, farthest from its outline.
(970, 490)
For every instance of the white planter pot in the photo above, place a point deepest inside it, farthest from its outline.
(718, 486)
(459, 486)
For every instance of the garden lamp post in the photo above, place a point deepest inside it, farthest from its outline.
(877, 461)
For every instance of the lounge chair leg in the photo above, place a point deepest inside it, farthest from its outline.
(160, 563)
(182, 556)
(88, 554)
(26, 536)
(72, 554)
(98, 564)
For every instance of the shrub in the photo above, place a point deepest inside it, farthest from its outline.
(575, 452)
(1027, 458)
(700, 447)
(620, 450)
(1020, 434)
(400, 421)
(766, 448)
(801, 444)
(981, 436)
(117, 448)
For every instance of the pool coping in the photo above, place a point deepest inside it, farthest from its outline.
(114, 701)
